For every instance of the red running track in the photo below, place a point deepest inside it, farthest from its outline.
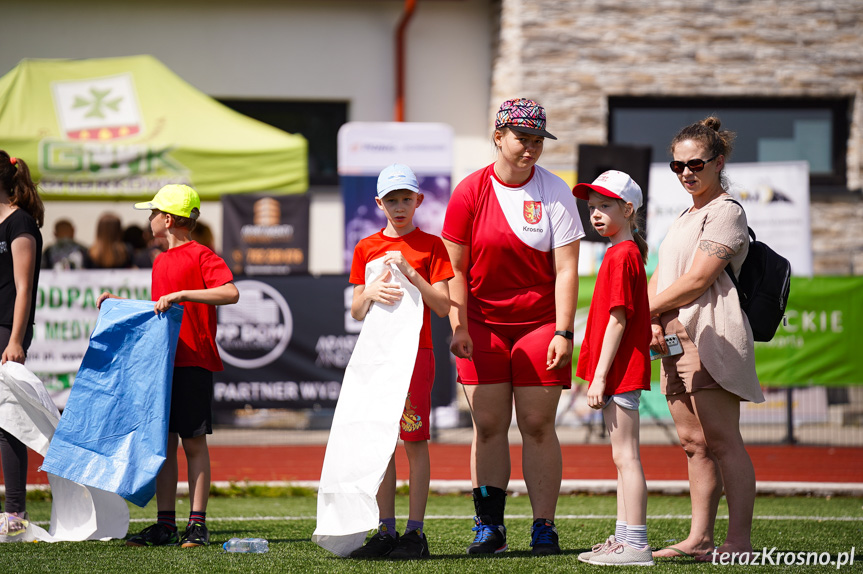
(451, 462)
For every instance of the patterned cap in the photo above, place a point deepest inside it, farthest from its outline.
(522, 115)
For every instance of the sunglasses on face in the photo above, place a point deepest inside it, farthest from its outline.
(693, 164)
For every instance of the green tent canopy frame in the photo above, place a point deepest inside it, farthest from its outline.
(120, 128)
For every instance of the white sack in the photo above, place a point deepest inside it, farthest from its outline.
(365, 426)
(78, 512)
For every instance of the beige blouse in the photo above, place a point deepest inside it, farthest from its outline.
(714, 321)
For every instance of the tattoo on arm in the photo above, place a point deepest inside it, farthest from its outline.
(716, 249)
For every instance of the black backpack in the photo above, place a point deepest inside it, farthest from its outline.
(763, 287)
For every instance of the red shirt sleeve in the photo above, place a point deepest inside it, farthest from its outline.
(440, 268)
(458, 222)
(214, 270)
(358, 266)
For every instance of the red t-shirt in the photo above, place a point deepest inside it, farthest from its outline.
(423, 251)
(193, 266)
(621, 282)
(511, 231)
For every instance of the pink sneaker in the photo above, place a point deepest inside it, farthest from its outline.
(597, 549)
(622, 554)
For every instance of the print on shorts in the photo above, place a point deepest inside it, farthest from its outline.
(411, 421)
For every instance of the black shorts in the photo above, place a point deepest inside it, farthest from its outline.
(191, 402)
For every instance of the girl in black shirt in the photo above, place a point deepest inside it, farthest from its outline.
(21, 216)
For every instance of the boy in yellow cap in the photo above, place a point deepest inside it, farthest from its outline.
(193, 275)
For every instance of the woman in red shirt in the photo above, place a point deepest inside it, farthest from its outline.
(512, 232)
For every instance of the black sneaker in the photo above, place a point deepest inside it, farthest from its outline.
(490, 538)
(154, 535)
(196, 534)
(378, 546)
(412, 546)
(543, 538)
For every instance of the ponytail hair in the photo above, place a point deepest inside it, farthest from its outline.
(636, 226)
(15, 180)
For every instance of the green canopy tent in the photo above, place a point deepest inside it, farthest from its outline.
(122, 127)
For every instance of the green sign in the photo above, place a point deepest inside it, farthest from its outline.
(818, 345)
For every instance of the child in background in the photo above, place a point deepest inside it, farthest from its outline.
(424, 261)
(193, 275)
(615, 357)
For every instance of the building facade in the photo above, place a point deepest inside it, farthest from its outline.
(589, 61)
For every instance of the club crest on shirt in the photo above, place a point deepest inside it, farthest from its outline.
(533, 212)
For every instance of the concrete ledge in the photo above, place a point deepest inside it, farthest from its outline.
(518, 487)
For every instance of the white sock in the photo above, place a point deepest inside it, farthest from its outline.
(620, 530)
(636, 536)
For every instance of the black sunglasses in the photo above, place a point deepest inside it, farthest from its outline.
(693, 164)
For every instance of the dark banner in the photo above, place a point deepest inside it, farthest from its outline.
(287, 342)
(266, 234)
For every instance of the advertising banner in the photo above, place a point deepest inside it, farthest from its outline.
(266, 234)
(285, 344)
(365, 148)
(775, 196)
(818, 346)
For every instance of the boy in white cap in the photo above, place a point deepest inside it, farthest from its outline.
(423, 259)
(193, 275)
(615, 357)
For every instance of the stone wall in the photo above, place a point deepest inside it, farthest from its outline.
(571, 55)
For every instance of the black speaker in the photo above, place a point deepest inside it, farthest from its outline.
(593, 160)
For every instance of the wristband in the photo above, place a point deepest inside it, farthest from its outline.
(565, 334)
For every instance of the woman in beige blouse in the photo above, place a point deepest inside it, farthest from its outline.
(692, 297)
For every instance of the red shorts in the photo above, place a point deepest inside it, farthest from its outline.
(514, 354)
(414, 424)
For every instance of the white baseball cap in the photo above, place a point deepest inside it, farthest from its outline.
(614, 184)
(396, 176)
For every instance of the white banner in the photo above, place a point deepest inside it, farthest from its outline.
(775, 196)
(65, 316)
(367, 147)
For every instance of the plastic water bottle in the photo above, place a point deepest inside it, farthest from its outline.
(246, 545)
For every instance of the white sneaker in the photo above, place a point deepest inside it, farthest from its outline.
(622, 554)
(597, 548)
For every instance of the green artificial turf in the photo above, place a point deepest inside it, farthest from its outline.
(798, 524)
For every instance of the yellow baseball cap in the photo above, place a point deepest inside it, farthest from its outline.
(176, 199)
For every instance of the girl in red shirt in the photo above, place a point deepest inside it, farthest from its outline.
(615, 357)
